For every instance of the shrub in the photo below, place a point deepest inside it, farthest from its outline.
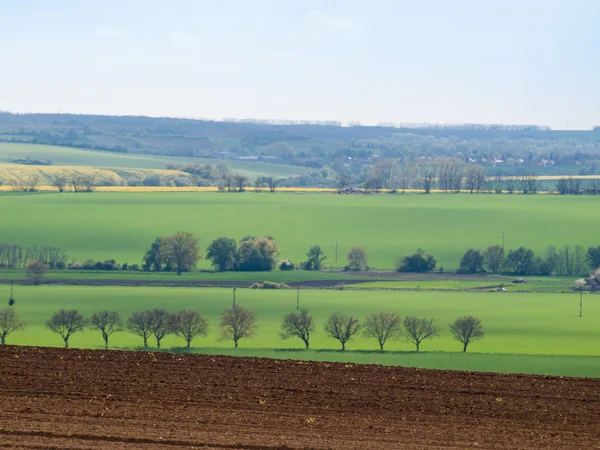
(152, 180)
(286, 264)
(417, 262)
(61, 265)
(36, 271)
(182, 182)
(134, 267)
(124, 266)
(269, 285)
(90, 264)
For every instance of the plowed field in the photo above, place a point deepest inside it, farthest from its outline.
(55, 399)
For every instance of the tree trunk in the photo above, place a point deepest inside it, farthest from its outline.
(189, 341)
(4, 337)
(145, 341)
(305, 343)
(418, 347)
(343, 346)
(157, 343)
(106, 343)
(465, 348)
(66, 342)
(235, 344)
(381, 346)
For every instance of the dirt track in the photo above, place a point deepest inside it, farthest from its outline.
(55, 399)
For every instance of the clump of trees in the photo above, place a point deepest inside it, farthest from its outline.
(417, 262)
(471, 262)
(179, 253)
(257, 254)
(222, 253)
(523, 261)
(253, 254)
(14, 256)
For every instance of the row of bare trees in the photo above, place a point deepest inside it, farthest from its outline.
(78, 182)
(383, 327)
(238, 322)
(13, 256)
(454, 175)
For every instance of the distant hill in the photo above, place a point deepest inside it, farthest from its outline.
(313, 147)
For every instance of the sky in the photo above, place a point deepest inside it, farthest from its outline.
(420, 61)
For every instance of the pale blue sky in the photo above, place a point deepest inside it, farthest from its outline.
(487, 61)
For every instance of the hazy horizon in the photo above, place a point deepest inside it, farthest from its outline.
(505, 62)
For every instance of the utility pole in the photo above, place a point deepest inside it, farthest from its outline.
(336, 248)
(234, 297)
(298, 299)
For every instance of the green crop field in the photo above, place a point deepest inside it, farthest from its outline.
(516, 324)
(121, 226)
(66, 156)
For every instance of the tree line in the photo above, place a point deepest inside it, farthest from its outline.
(238, 322)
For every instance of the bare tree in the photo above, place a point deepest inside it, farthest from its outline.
(578, 260)
(383, 327)
(466, 330)
(259, 183)
(428, 177)
(160, 324)
(88, 181)
(66, 323)
(36, 271)
(493, 258)
(237, 323)
(180, 251)
(60, 182)
(417, 329)
(107, 322)
(298, 324)
(357, 259)
(342, 179)
(188, 324)
(498, 184)
(9, 322)
(509, 184)
(140, 323)
(33, 182)
(271, 183)
(341, 327)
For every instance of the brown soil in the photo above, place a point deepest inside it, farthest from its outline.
(90, 399)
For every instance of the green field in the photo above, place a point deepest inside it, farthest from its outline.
(121, 226)
(515, 324)
(66, 156)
